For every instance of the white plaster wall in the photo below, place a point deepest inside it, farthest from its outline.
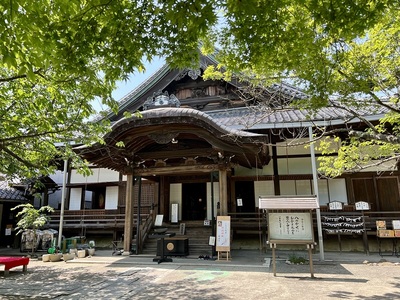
(216, 199)
(99, 175)
(75, 199)
(111, 197)
(296, 187)
(301, 146)
(303, 187)
(263, 188)
(293, 146)
(337, 187)
(301, 165)
(323, 192)
(266, 170)
(175, 196)
(288, 187)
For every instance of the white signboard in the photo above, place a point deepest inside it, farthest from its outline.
(290, 226)
(223, 233)
(335, 205)
(159, 220)
(211, 241)
(239, 202)
(362, 205)
(174, 213)
(396, 224)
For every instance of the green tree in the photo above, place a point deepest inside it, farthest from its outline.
(344, 54)
(32, 218)
(58, 56)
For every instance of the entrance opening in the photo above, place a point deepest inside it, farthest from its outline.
(245, 191)
(194, 201)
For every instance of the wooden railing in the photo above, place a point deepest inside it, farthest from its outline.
(145, 228)
(370, 218)
(91, 219)
(254, 221)
(247, 222)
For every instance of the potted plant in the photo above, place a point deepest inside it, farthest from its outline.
(91, 248)
(32, 218)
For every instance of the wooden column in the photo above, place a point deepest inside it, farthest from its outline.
(128, 214)
(277, 186)
(164, 197)
(223, 192)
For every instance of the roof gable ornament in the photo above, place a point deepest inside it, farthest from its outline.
(192, 73)
(163, 137)
(160, 99)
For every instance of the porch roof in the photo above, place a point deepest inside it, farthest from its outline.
(175, 137)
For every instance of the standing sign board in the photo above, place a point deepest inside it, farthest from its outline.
(223, 235)
(290, 228)
(361, 206)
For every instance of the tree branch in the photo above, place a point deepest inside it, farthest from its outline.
(8, 79)
(388, 138)
(18, 158)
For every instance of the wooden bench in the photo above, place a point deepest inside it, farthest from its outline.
(12, 262)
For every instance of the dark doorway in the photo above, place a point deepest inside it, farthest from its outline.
(382, 193)
(388, 194)
(194, 201)
(7, 221)
(245, 190)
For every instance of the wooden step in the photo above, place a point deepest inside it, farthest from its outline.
(195, 231)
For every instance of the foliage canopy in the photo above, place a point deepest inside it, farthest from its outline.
(57, 57)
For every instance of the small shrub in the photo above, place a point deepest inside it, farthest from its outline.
(297, 260)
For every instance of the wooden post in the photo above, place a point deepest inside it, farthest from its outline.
(273, 247)
(365, 236)
(138, 223)
(223, 192)
(310, 247)
(128, 214)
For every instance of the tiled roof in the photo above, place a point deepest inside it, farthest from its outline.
(11, 194)
(255, 118)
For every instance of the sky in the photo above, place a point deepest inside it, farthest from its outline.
(135, 79)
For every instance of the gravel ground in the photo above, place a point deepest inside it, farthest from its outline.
(60, 280)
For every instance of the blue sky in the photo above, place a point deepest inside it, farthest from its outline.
(135, 79)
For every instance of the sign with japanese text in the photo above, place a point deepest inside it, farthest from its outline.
(290, 226)
(362, 205)
(335, 205)
(223, 233)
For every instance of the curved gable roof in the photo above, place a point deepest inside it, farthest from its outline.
(148, 139)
